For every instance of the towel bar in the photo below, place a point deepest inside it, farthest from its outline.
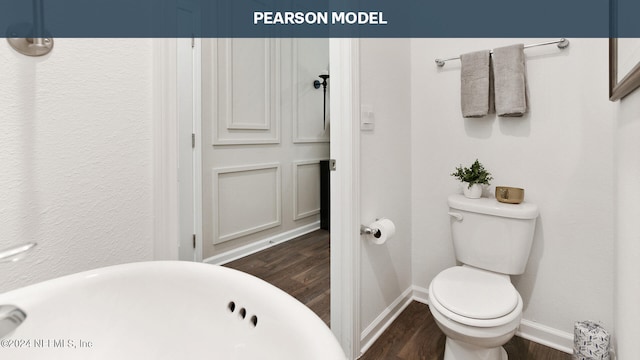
(562, 43)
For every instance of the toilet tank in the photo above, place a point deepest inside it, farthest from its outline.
(491, 235)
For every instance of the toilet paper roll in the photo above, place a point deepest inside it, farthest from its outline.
(590, 342)
(383, 230)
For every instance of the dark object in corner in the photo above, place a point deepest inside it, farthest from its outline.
(325, 191)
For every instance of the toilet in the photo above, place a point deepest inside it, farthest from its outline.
(475, 304)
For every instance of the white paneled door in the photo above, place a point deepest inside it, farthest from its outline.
(263, 138)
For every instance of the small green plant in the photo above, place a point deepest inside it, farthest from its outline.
(474, 175)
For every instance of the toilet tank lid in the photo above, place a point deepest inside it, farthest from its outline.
(491, 206)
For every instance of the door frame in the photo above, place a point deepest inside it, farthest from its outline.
(344, 63)
(166, 220)
(345, 189)
(197, 181)
(188, 121)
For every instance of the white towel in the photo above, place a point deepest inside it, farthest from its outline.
(475, 81)
(510, 81)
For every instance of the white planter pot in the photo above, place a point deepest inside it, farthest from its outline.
(475, 192)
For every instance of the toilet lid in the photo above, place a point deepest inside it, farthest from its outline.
(475, 293)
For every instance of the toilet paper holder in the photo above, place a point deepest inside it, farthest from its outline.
(379, 231)
(369, 231)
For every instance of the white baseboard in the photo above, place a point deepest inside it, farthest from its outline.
(384, 320)
(545, 335)
(421, 294)
(541, 334)
(260, 245)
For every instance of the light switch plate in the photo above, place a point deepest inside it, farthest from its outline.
(367, 117)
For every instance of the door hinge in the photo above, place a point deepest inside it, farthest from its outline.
(193, 41)
(194, 241)
(193, 141)
(332, 164)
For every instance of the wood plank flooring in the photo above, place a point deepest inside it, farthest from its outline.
(414, 335)
(300, 267)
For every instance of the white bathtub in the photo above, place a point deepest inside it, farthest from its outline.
(164, 310)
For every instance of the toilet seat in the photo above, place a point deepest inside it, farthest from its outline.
(475, 297)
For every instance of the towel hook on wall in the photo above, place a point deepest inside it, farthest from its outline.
(31, 39)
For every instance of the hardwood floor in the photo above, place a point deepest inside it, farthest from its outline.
(300, 267)
(415, 335)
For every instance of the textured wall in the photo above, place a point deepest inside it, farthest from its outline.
(75, 157)
(561, 153)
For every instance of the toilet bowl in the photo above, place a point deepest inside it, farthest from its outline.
(477, 310)
(474, 304)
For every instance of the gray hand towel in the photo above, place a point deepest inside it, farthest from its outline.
(510, 80)
(475, 82)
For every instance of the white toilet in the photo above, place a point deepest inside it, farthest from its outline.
(475, 304)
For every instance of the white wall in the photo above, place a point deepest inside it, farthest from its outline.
(75, 157)
(561, 153)
(385, 171)
(627, 246)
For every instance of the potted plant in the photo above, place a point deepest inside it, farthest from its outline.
(472, 179)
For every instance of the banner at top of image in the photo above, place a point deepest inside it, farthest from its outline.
(320, 18)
